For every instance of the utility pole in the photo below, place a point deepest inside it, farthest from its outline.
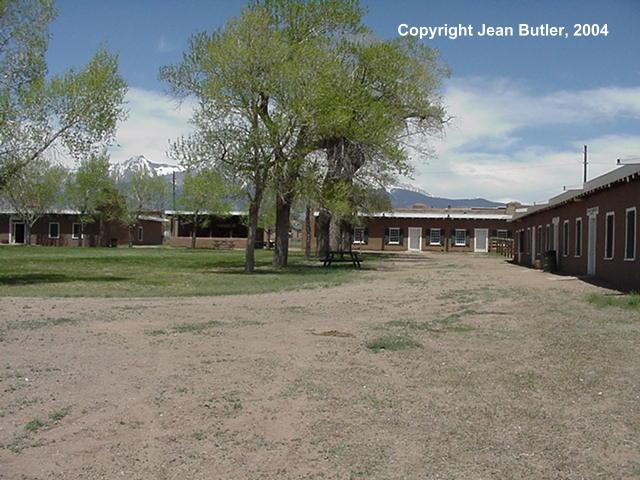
(585, 165)
(174, 190)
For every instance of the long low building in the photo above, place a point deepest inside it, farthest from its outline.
(422, 228)
(592, 231)
(62, 228)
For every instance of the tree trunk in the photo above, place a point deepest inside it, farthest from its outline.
(283, 214)
(81, 239)
(250, 249)
(323, 233)
(27, 233)
(194, 232)
(131, 227)
(307, 232)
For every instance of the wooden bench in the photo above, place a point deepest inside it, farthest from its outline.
(340, 256)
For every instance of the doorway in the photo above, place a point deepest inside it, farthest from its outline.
(415, 239)
(481, 240)
(18, 232)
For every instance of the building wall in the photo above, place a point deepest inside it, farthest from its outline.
(618, 272)
(376, 226)
(152, 232)
(219, 243)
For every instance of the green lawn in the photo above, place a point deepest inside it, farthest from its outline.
(152, 272)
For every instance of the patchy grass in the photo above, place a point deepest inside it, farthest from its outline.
(36, 324)
(448, 323)
(154, 272)
(34, 425)
(197, 327)
(58, 415)
(630, 301)
(392, 343)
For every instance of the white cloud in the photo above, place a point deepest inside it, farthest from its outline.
(165, 46)
(154, 119)
(483, 154)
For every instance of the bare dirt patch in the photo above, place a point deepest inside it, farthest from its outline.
(517, 376)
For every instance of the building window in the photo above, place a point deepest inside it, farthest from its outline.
(358, 235)
(435, 236)
(394, 236)
(75, 231)
(609, 236)
(547, 238)
(140, 234)
(460, 237)
(630, 235)
(502, 233)
(565, 238)
(578, 251)
(528, 241)
(54, 230)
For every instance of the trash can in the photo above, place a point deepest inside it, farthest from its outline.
(549, 261)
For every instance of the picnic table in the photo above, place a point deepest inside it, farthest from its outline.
(338, 256)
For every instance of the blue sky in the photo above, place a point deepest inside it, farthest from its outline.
(522, 107)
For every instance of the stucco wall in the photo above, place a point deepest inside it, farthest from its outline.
(620, 273)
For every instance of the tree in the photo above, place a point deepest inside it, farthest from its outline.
(143, 192)
(112, 210)
(203, 193)
(34, 191)
(86, 187)
(253, 118)
(72, 112)
(387, 92)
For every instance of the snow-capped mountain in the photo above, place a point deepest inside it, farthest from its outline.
(123, 170)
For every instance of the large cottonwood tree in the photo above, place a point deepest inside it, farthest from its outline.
(73, 112)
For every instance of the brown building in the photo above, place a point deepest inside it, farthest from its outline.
(592, 230)
(421, 229)
(214, 231)
(62, 228)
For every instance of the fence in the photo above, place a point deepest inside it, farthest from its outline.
(502, 246)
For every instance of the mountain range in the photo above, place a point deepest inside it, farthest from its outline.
(404, 196)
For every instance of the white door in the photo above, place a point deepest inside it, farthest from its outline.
(591, 247)
(481, 240)
(415, 239)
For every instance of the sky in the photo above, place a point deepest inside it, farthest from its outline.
(521, 107)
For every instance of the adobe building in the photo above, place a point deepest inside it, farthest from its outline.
(62, 228)
(592, 230)
(422, 229)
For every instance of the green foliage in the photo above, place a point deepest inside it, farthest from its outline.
(143, 191)
(86, 189)
(204, 191)
(72, 112)
(34, 190)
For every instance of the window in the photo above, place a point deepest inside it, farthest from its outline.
(435, 236)
(75, 231)
(578, 251)
(460, 238)
(394, 236)
(539, 242)
(630, 235)
(54, 230)
(565, 238)
(358, 235)
(547, 241)
(502, 233)
(140, 234)
(528, 241)
(609, 236)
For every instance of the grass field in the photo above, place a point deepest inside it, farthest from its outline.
(152, 272)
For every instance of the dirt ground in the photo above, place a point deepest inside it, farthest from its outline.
(517, 376)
